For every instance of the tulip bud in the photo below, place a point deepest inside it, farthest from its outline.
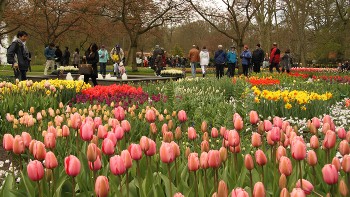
(346, 163)
(314, 142)
(284, 193)
(204, 146)
(223, 154)
(311, 158)
(343, 189)
(101, 186)
(248, 162)
(259, 190)
(153, 128)
(336, 163)
(178, 133)
(344, 148)
(204, 127)
(48, 175)
(91, 152)
(282, 183)
(313, 129)
(170, 125)
(187, 152)
(222, 190)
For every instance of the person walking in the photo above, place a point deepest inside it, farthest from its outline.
(193, 56)
(286, 61)
(231, 61)
(18, 56)
(76, 58)
(58, 54)
(92, 57)
(204, 59)
(275, 58)
(117, 55)
(50, 57)
(257, 58)
(157, 59)
(246, 56)
(103, 59)
(66, 57)
(220, 61)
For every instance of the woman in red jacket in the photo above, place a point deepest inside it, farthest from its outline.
(275, 58)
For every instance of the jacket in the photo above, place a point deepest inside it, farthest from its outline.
(258, 55)
(92, 58)
(275, 55)
(232, 57)
(193, 55)
(17, 53)
(58, 54)
(76, 58)
(49, 53)
(103, 56)
(246, 56)
(117, 55)
(204, 57)
(286, 61)
(220, 57)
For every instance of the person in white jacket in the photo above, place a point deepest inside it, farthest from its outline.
(204, 59)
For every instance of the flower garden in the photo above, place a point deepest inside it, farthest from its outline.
(269, 135)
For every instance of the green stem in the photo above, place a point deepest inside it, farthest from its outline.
(20, 163)
(73, 190)
(251, 182)
(40, 192)
(169, 174)
(301, 175)
(316, 193)
(262, 174)
(53, 181)
(235, 163)
(176, 175)
(195, 184)
(205, 181)
(120, 185)
(127, 183)
(216, 179)
(314, 174)
(139, 177)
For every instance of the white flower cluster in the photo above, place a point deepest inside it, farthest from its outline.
(171, 72)
(67, 68)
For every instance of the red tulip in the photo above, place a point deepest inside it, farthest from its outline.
(101, 186)
(330, 174)
(108, 147)
(72, 165)
(277, 122)
(311, 158)
(193, 162)
(26, 139)
(126, 158)
(166, 153)
(285, 166)
(259, 190)
(329, 140)
(341, 133)
(267, 125)
(314, 142)
(7, 142)
(50, 140)
(346, 163)
(152, 148)
(203, 160)
(150, 116)
(191, 133)
(101, 132)
(256, 140)
(116, 164)
(39, 150)
(239, 192)
(50, 160)
(298, 148)
(18, 145)
(233, 138)
(253, 117)
(126, 126)
(181, 115)
(214, 160)
(214, 132)
(135, 151)
(119, 113)
(297, 192)
(344, 148)
(260, 158)
(86, 131)
(35, 170)
(96, 165)
(248, 162)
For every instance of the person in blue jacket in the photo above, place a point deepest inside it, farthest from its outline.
(231, 61)
(220, 61)
(246, 56)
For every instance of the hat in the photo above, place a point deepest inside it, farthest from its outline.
(275, 43)
(258, 45)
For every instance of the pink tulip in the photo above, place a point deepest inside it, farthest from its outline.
(348, 136)
(326, 119)
(178, 195)
(50, 140)
(97, 122)
(7, 142)
(222, 131)
(259, 190)
(35, 170)
(298, 148)
(267, 125)
(191, 133)
(96, 165)
(119, 132)
(238, 124)
(341, 133)
(222, 190)
(253, 117)
(152, 148)
(91, 152)
(239, 192)
(214, 160)
(165, 128)
(336, 163)
(126, 126)
(116, 164)
(325, 127)
(75, 120)
(297, 192)
(101, 186)
(314, 142)
(150, 116)
(50, 160)
(344, 148)
(119, 113)
(307, 186)
(285, 124)
(18, 145)
(72, 165)
(86, 131)
(256, 140)
(329, 140)
(112, 136)
(166, 152)
(101, 132)
(277, 122)
(281, 151)
(203, 160)
(311, 158)
(135, 151)
(205, 146)
(275, 134)
(269, 139)
(176, 149)
(181, 115)
(285, 166)
(346, 163)
(26, 139)
(316, 122)
(330, 174)
(284, 193)
(260, 158)
(108, 147)
(248, 162)
(193, 162)
(214, 132)
(233, 138)
(65, 131)
(126, 158)
(39, 151)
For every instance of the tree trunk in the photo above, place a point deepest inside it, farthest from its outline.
(240, 45)
(131, 58)
(2, 8)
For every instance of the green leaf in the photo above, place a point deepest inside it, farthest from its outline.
(8, 185)
(28, 185)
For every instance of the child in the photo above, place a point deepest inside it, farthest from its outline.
(121, 68)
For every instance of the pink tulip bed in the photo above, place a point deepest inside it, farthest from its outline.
(192, 137)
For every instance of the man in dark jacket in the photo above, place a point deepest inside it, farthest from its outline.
(66, 57)
(58, 54)
(18, 56)
(220, 61)
(157, 57)
(258, 58)
(275, 58)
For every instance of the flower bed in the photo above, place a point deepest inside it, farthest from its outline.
(255, 81)
(301, 69)
(333, 78)
(172, 73)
